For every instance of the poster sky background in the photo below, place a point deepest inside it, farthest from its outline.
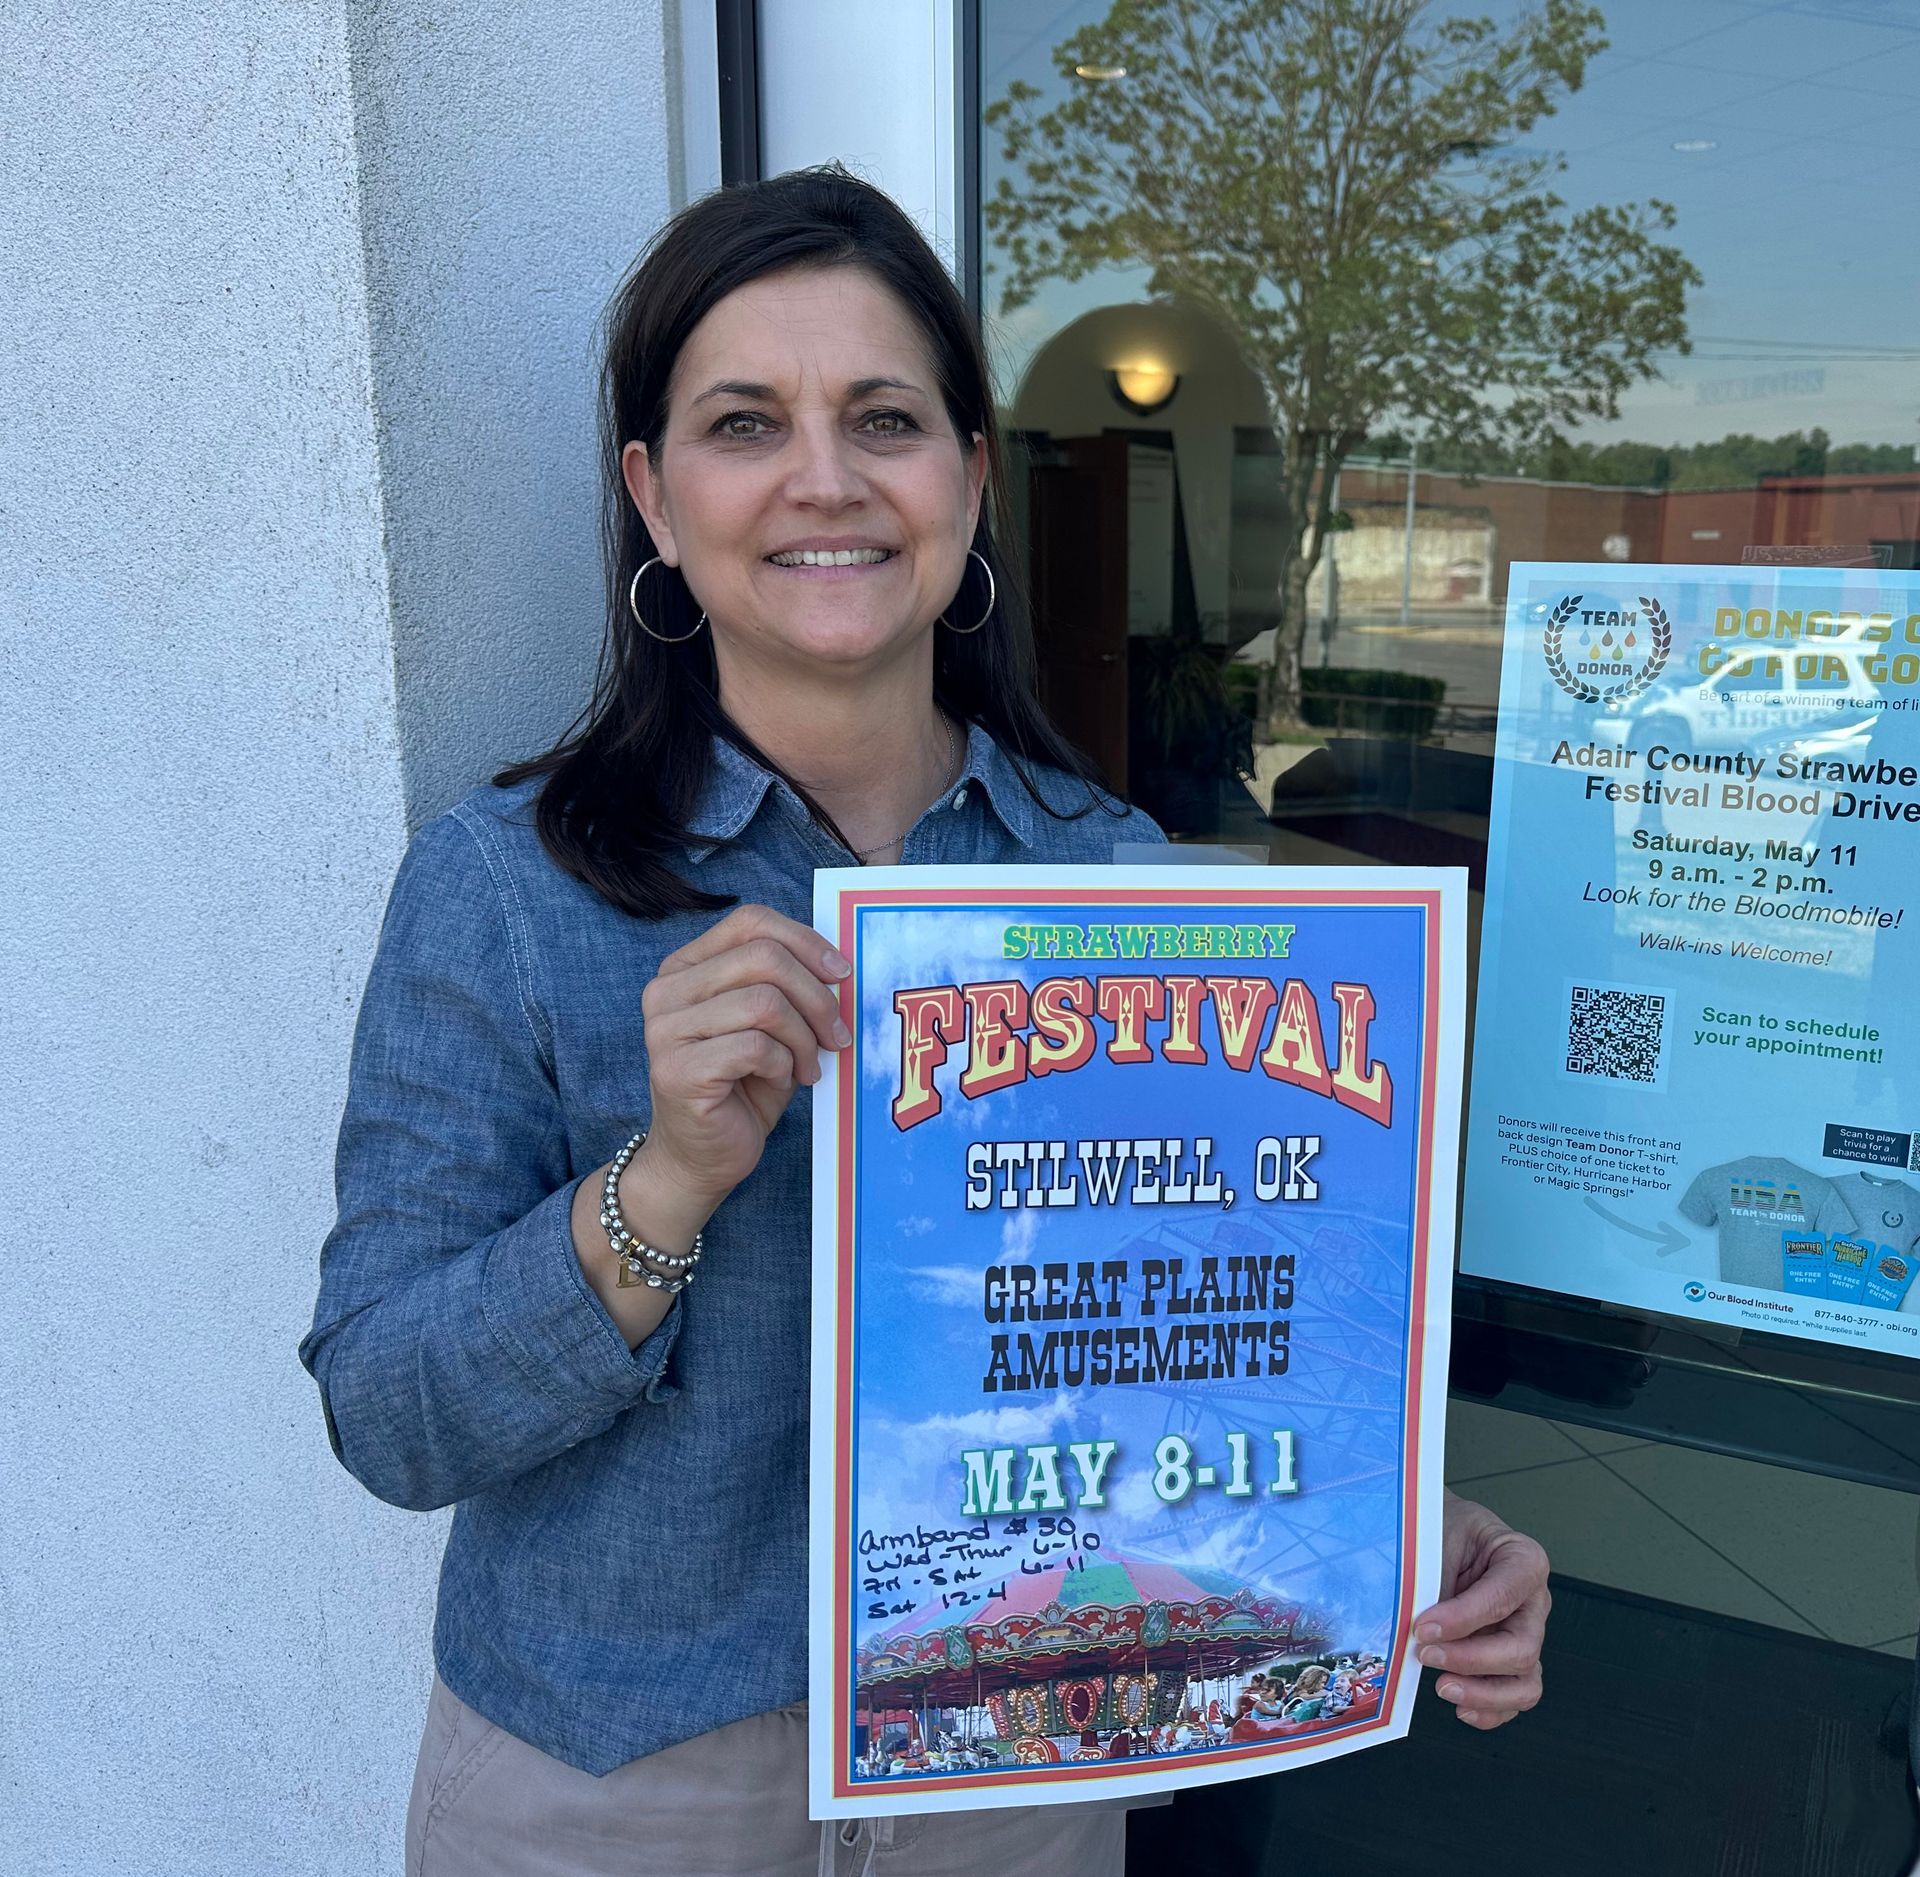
(924, 1348)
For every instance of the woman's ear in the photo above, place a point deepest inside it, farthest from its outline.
(976, 482)
(643, 486)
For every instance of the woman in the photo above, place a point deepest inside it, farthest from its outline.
(594, 1019)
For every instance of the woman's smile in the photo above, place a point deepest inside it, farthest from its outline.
(829, 558)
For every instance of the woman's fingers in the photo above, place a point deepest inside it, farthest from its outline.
(735, 1020)
(1512, 1573)
(757, 961)
(767, 1096)
(746, 923)
(759, 1008)
(743, 1055)
(1487, 1700)
(1509, 1648)
(1486, 1719)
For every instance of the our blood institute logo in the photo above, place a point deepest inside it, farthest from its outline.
(1696, 1293)
(1604, 653)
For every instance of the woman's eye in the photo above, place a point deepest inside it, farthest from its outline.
(891, 423)
(728, 426)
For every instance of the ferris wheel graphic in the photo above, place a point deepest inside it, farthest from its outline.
(1347, 1350)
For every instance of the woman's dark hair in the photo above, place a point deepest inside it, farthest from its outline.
(619, 786)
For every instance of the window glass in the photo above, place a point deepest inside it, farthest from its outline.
(1311, 319)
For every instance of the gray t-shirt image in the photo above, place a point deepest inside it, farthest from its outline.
(1886, 1214)
(1753, 1201)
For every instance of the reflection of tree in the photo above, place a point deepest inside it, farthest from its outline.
(1735, 461)
(1327, 176)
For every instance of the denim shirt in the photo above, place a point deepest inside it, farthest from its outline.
(627, 1563)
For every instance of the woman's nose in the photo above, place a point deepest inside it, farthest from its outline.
(823, 470)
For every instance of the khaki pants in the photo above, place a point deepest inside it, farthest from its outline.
(733, 1802)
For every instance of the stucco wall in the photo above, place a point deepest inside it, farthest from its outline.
(237, 495)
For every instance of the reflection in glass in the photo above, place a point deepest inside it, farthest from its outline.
(1314, 317)
(1337, 184)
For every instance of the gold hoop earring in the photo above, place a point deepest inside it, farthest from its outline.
(633, 606)
(993, 599)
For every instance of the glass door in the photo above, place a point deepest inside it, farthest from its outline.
(1312, 320)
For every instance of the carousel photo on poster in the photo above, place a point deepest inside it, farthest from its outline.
(1130, 1290)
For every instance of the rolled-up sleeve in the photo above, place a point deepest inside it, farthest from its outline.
(456, 1341)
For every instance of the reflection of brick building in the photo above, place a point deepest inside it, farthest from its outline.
(1518, 519)
(1880, 511)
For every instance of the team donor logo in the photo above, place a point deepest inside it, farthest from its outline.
(1605, 653)
(1696, 1293)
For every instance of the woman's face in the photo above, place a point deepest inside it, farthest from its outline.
(804, 419)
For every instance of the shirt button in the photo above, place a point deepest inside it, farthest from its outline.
(960, 800)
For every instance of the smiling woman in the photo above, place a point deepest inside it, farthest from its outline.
(583, 1066)
(790, 372)
(583, 1069)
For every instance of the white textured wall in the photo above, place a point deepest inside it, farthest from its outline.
(225, 472)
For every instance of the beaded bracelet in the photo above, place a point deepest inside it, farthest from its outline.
(630, 1249)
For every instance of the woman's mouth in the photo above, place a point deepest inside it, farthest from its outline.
(832, 557)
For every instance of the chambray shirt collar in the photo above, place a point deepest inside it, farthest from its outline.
(737, 787)
(987, 768)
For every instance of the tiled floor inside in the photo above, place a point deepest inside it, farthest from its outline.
(1817, 1556)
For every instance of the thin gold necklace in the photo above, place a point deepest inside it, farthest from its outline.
(953, 752)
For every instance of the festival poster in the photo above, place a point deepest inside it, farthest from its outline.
(1695, 1029)
(1132, 1262)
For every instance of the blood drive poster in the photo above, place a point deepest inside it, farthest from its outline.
(1132, 1261)
(1693, 1086)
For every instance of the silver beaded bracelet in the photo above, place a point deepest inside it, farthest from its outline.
(630, 1249)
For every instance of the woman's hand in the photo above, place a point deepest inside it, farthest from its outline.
(735, 1022)
(1486, 1630)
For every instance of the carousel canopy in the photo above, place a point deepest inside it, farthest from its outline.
(1105, 1611)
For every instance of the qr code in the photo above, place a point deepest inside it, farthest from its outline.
(1616, 1034)
(1913, 1153)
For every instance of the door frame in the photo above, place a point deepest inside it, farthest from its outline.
(923, 148)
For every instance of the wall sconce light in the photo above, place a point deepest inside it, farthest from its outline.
(1143, 388)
